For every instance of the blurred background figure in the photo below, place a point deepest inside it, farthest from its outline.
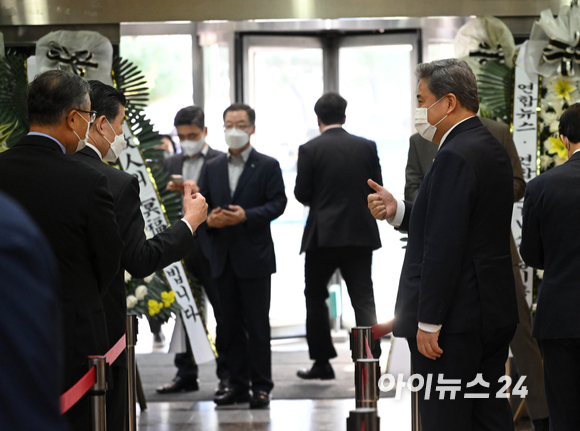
(30, 325)
(168, 146)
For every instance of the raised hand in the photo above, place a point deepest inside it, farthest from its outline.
(382, 204)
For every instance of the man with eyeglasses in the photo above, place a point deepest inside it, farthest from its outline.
(73, 207)
(245, 192)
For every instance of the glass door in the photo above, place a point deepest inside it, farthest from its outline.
(283, 77)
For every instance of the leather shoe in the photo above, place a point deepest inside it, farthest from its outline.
(232, 397)
(222, 387)
(179, 385)
(322, 372)
(260, 400)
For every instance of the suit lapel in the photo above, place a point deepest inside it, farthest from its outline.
(224, 183)
(248, 171)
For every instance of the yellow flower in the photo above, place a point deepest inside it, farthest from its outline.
(168, 298)
(154, 307)
(555, 145)
(563, 88)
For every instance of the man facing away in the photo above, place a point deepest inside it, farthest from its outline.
(525, 349)
(141, 257)
(456, 303)
(196, 152)
(550, 241)
(72, 205)
(245, 192)
(340, 232)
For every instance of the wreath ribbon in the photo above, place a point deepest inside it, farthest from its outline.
(485, 53)
(78, 60)
(567, 54)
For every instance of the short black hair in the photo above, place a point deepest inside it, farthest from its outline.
(331, 108)
(53, 94)
(570, 123)
(105, 100)
(190, 116)
(242, 107)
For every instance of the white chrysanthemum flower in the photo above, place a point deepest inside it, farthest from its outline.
(127, 277)
(545, 161)
(140, 292)
(540, 273)
(131, 301)
(554, 126)
(149, 278)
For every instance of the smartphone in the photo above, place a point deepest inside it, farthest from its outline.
(177, 179)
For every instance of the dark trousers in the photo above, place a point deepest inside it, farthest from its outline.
(464, 356)
(562, 380)
(246, 323)
(355, 266)
(116, 400)
(198, 265)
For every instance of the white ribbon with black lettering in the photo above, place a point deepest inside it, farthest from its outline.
(525, 135)
(131, 161)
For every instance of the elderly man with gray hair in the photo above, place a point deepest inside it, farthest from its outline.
(456, 303)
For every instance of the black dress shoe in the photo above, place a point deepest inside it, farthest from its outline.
(260, 400)
(232, 397)
(322, 372)
(179, 385)
(222, 387)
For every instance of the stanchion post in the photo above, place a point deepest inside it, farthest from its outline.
(97, 393)
(366, 388)
(363, 419)
(357, 341)
(415, 416)
(132, 373)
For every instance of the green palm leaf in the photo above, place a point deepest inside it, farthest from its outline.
(494, 84)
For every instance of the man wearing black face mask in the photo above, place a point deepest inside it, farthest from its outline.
(72, 205)
(140, 256)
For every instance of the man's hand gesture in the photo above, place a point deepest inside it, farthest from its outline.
(194, 206)
(382, 204)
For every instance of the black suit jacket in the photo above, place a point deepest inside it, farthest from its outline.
(72, 205)
(260, 192)
(457, 270)
(30, 325)
(550, 241)
(141, 257)
(333, 170)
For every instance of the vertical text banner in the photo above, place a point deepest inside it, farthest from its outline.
(525, 135)
(132, 162)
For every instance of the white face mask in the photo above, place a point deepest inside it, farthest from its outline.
(192, 148)
(236, 138)
(425, 129)
(117, 146)
(82, 142)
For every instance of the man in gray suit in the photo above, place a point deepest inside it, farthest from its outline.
(524, 348)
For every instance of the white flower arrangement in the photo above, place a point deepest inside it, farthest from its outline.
(141, 291)
(131, 301)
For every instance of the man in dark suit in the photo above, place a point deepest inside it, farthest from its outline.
(191, 130)
(339, 234)
(245, 192)
(550, 242)
(524, 348)
(456, 303)
(30, 325)
(141, 257)
(72, 205)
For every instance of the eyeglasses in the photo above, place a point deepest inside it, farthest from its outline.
(92, 115)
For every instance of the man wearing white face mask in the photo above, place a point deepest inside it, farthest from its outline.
(140, 257)
(191, 130)
(72, 205)
(456, 303)
(245, 193)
